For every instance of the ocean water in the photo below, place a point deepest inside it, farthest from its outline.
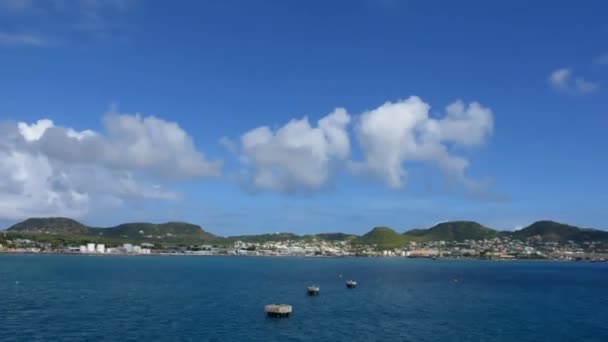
(87, 298)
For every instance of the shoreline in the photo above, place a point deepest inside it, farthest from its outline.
(291, 256)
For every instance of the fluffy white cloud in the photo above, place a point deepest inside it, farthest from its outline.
(34, 131)
(301, 157)
(396, 133)
(297, 156)
(27, 189)
(563, 79)
(132, 142)
(52, 170)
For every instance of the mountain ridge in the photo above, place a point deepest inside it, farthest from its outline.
(134, 231)
(382, 237)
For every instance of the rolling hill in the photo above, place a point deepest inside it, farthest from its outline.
(276, 237)
(559, 232)
(50, 225)
(170, 232)
(383, 238)
(452, 231)
(68, 230)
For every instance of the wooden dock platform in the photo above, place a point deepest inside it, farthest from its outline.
(278, 310)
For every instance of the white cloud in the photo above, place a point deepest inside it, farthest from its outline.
(36, 130)
(464, 125)
(563, 79)
(297, 156)
(560, 77)
(301, 157)
(23, 39)
(585, 87)
(602, 60)
(132, 142)
(60, 19)
(396, 133)
(28, 187)
(52, 170)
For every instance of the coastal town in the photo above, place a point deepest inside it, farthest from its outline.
(496, 248)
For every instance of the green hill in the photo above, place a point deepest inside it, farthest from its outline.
(50, 225)
(167, 232)
(335, 236)
(382, 238)
(452, 231)
(274, 237)
(559, 232)
(65, 229)
(277, 237)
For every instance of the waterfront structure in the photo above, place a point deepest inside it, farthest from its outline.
(101, 248)
(278, 310)
(90, 247)
(423, 253)
(494, 248)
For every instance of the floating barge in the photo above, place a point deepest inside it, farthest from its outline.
(313, 290)
(278, 310)
(351, 284)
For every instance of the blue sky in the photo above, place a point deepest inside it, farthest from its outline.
(527, 141)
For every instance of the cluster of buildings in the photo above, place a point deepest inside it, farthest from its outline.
(100, 248)
(496, 248)
(293, 248)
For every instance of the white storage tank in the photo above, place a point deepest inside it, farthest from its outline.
(101, 248)
(90, 247)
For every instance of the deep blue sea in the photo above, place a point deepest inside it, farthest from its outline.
(87, 298)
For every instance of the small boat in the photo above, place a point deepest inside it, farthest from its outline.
(351, 284)
(313, 290)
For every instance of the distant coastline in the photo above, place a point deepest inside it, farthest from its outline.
(456, 239)
(49, 253)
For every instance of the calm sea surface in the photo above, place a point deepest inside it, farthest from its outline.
(84, 298)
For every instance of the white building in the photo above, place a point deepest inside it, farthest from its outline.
(128, 247)
(137, 249)
(83, 249)
(101, 248)
(90, 247)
